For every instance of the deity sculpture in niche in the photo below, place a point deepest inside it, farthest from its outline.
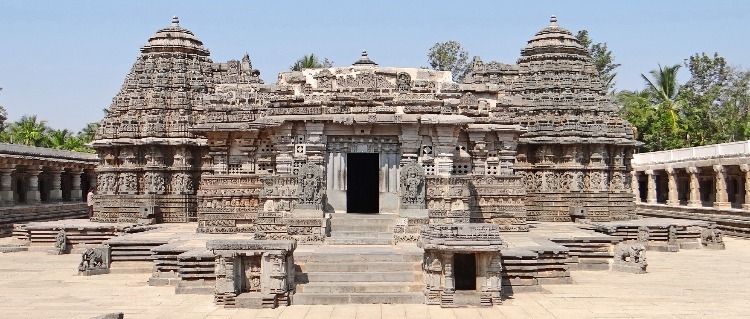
(412, 185)
(310, 184)
(128, 183)
(403, 82)
(182, 183)
(154, 183)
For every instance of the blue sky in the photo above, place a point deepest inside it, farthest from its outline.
(65, 61)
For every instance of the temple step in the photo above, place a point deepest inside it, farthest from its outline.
(358, 298)
(361, 229)
(359, 275)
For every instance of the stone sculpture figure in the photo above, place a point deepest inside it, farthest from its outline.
(310, 184)
(61, 243)
(643, 234)
(630, 257)
(711, 238)
(403, 82)
(412, 184)
(94, 261)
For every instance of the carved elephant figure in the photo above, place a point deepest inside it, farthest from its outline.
(711, 235)
(630, 253)
(92, 259)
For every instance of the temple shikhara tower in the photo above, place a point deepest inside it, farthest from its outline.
(187, 139)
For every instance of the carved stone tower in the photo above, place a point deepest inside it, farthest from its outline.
(575, 156)
(150, 161)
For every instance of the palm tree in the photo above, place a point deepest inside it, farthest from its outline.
(310, 62)
(28, 131)
(56, 139)
(663, 90)
(87, 133)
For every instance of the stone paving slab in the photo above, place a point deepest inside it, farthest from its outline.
(688, 284)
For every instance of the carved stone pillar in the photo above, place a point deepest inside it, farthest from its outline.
(446, 139)
(32, 192)
(672, 183)
(55, 193)
(651, 193)
(746, 169)
(635, 186)
(695, 192)
(722, 199)
(75, 189)
(6, 187)
(449, 285)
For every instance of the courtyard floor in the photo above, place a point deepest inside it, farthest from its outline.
(687, 284)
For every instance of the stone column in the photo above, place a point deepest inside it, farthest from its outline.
(746, 169)
(694, 199)
(672, 183)
(449, 285)
(722, 199)
(635, 186)
(651, 193)
(75, 189)
(55, 193)
(32, 192)
(6, 187)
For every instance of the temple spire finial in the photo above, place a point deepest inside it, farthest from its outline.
(175, 20)
(553, 20)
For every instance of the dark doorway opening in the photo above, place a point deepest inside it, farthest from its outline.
(465, 269)
(362, 183)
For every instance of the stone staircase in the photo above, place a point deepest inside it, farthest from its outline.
(361, 229)
(360, 274)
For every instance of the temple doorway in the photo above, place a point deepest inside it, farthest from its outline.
(362, 183)
(465, 270)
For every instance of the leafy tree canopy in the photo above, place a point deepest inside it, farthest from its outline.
(449, 56)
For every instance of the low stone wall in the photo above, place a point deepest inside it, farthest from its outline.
(36, 213)
(733, 222)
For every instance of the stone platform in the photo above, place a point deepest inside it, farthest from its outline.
(37, 285)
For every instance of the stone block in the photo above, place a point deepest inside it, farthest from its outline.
(249, 300)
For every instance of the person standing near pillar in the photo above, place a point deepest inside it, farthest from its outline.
(90, 201)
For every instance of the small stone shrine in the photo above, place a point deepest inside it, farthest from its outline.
(462, 258)
(253, 273)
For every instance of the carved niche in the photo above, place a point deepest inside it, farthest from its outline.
(403, 82)
(182, 183)
(154, 183)
(412, 181)
(310, 184)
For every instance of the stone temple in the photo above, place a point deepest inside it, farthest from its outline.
(291, 174)
(187, 139)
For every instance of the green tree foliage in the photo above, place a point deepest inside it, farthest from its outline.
(663, 91)
(33, 132)
(310, 62)
(713, 106)
(449, 56)
(602, 59)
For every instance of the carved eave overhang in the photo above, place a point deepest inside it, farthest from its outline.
(495, 128)
(226, 247)
(579, 140)
(445, 119)
(201, 129)
(102, 143)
